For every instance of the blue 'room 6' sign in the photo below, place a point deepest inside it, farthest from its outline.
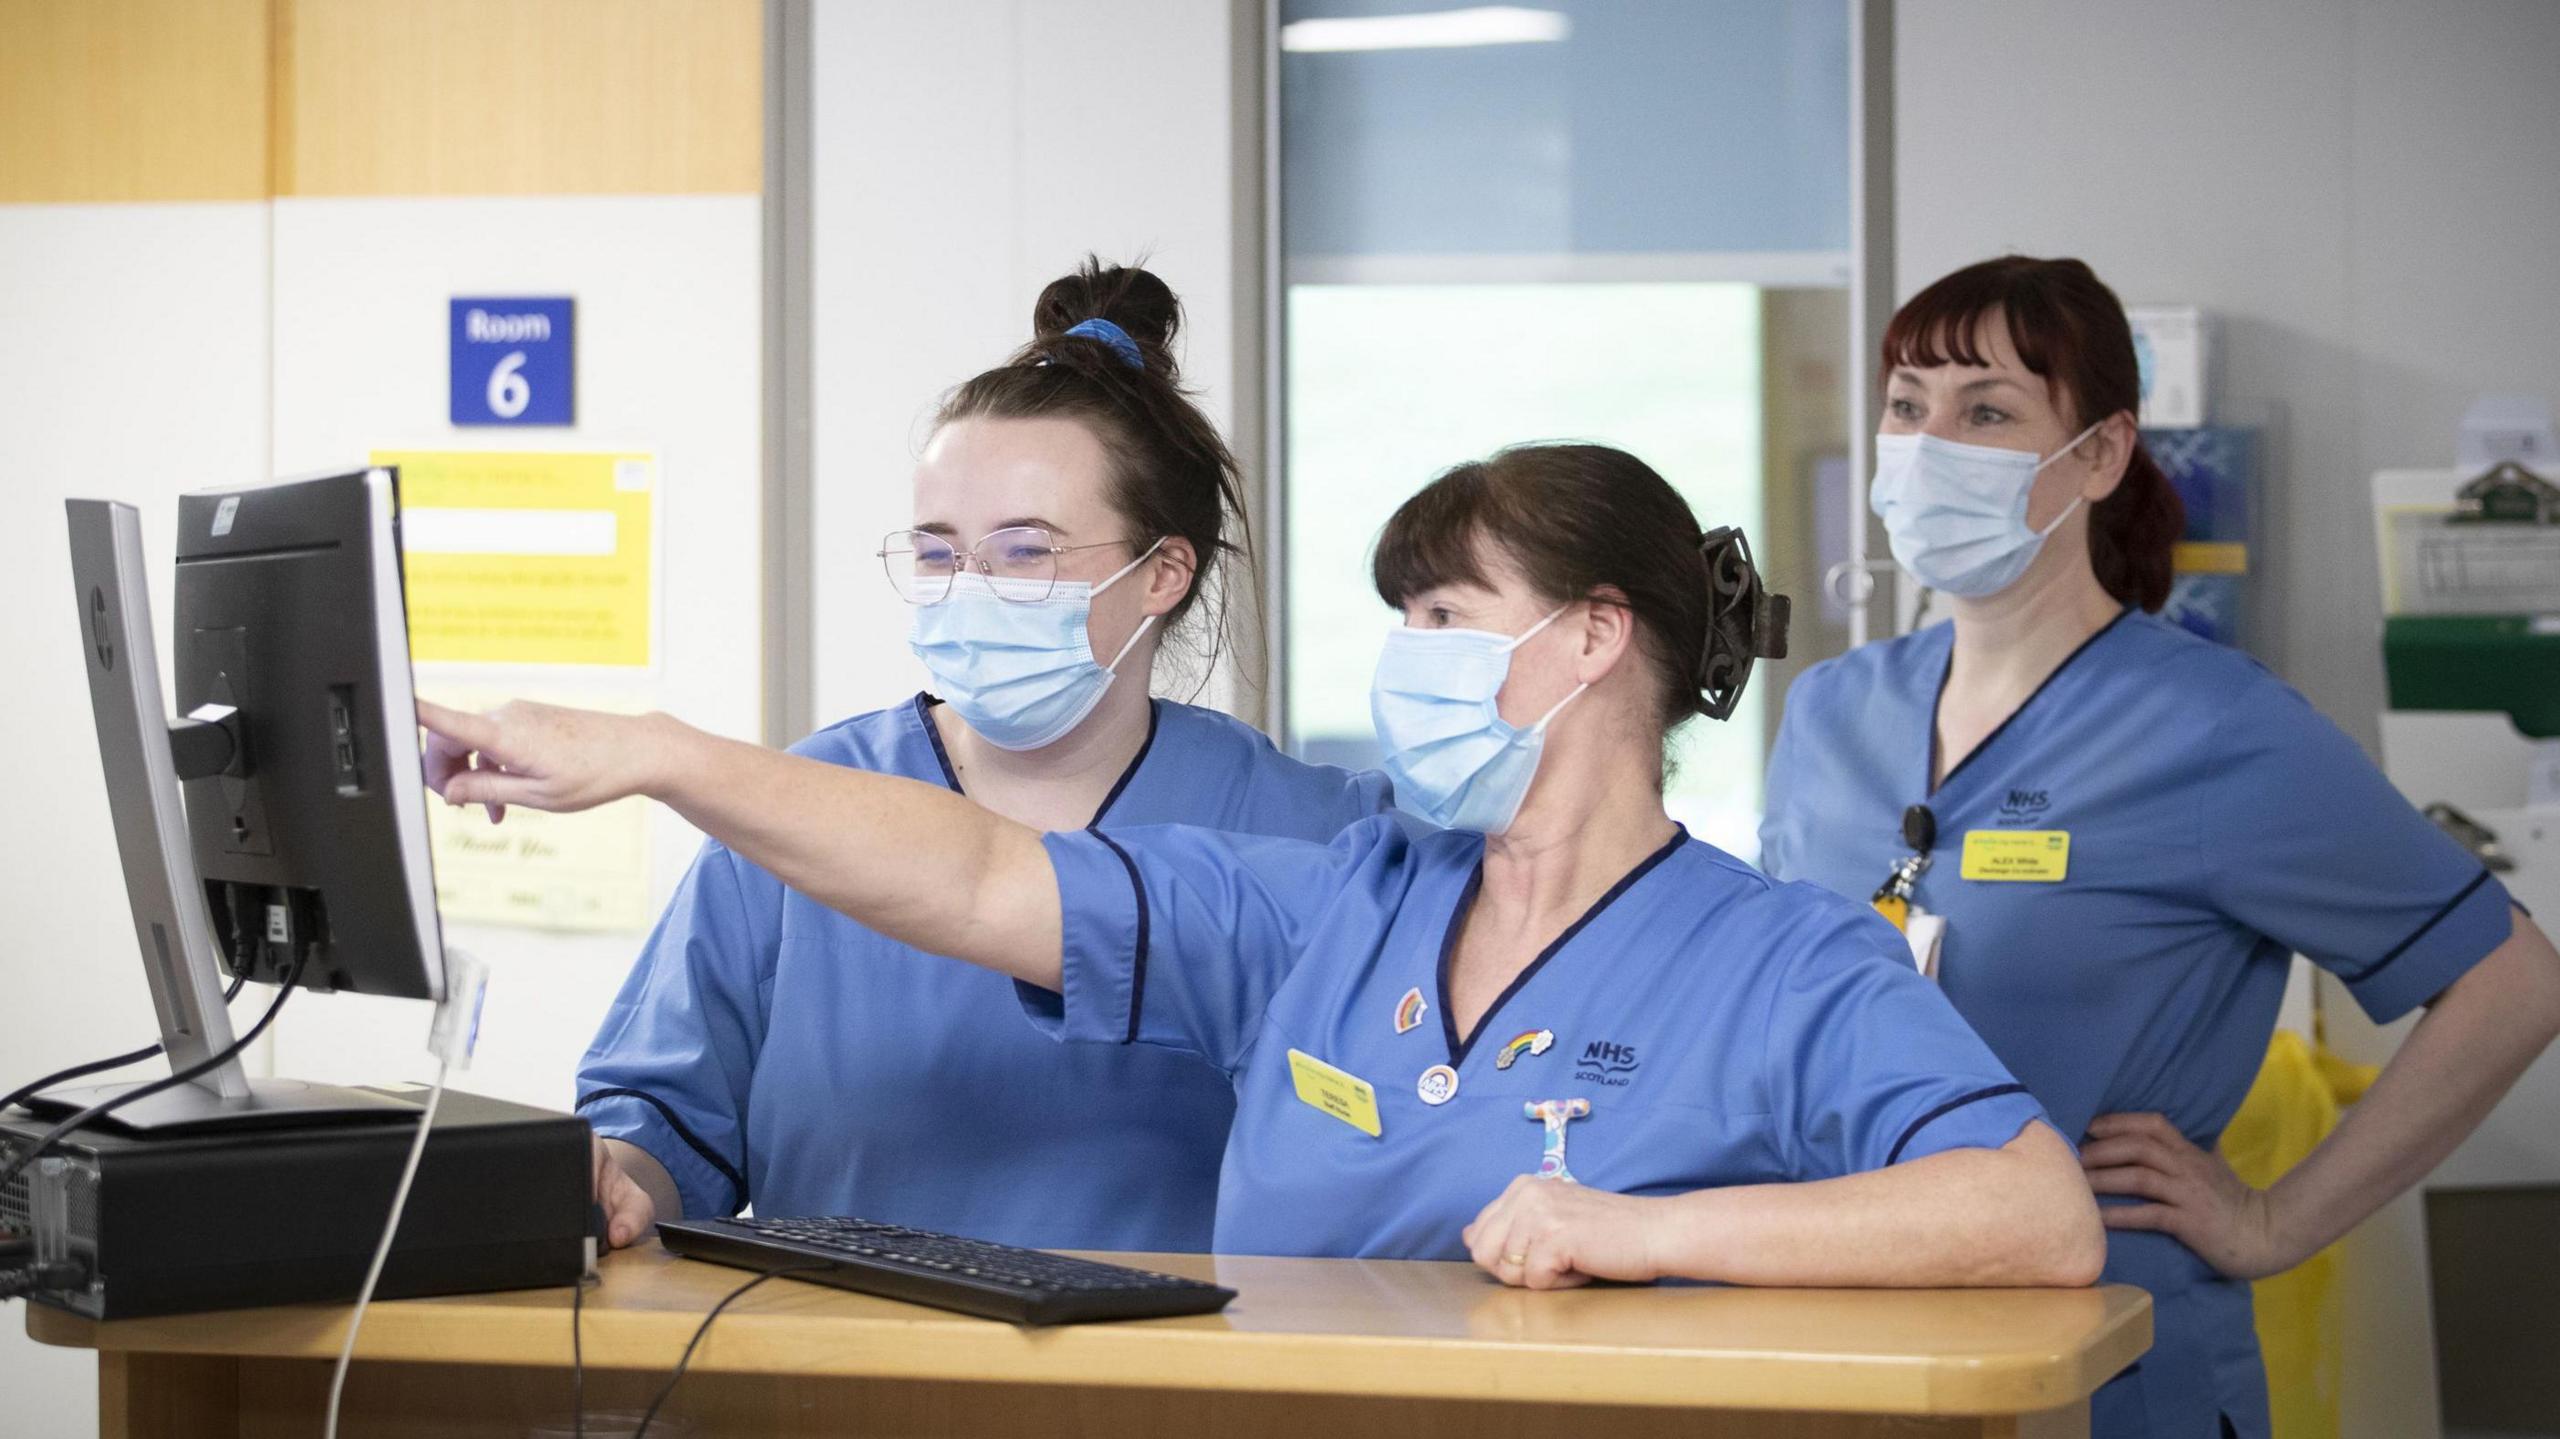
(514, 361)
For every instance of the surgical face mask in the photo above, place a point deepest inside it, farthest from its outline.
(1019, 671)
(1454, 760)
(1957, 514)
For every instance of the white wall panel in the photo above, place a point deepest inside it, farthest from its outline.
(668, 360)
(965, 154)
(133, 365)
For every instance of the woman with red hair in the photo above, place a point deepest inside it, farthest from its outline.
(2112, 836)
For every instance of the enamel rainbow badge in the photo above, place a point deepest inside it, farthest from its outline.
(1409, 1010)
(1532, 1041)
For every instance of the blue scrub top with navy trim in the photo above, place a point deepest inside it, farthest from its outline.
(770, 1051)
(1725, 1029)
(2219, 824)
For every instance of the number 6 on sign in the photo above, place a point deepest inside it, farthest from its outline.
(508, 392)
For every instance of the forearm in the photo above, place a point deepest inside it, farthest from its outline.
(650, 1175)
(2462, 1057)
(2019, 1215)
(913, 861)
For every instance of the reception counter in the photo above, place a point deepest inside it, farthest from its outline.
(1338, 1349)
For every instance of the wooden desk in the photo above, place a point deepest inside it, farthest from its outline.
(1339, 1348)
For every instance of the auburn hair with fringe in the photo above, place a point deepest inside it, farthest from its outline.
(2068, 327)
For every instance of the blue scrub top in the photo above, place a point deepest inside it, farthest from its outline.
(770, 1051)
(2219, 824)
(1724, 1029)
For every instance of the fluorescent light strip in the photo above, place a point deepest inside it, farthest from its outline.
(1428, 30)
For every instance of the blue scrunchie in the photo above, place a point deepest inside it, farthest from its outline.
(1117, 338)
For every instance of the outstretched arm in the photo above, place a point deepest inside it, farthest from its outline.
(915, 862)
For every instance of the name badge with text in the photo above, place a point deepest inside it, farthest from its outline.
(2034, 856)
(1346, 1097)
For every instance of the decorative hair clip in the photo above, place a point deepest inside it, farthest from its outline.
(1744, 621)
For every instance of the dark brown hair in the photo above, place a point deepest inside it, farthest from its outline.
(2069, 328)
(1576, 520)
(1171, 472)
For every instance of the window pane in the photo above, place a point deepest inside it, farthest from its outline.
(1570, 127)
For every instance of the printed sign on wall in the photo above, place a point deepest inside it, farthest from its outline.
(544, 559)
(514, 361)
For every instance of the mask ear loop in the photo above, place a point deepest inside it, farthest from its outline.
(2047, 532)
(1524, 636)
(1144, 621)
(1523, 639)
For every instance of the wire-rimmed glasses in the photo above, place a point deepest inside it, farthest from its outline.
(1021, 560)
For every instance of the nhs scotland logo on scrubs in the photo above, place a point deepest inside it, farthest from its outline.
(1606, 1062)
(514, 361)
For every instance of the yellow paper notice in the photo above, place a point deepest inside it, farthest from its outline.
(586, 871)
(2041, 856)
(1344, 1096)
(519, 558)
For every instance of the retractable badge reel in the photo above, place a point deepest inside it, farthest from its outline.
(1892, 898)
(1922, 931)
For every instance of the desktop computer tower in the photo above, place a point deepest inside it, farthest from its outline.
(240, 1218)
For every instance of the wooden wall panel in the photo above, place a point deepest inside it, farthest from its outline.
(106, 100)
(505, 97)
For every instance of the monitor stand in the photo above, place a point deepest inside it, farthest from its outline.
(193, 1109)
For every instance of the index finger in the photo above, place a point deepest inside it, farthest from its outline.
(475, 731)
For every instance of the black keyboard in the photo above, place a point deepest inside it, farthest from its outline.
(974, 1276)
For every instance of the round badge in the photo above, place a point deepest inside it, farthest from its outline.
(1438, 1085)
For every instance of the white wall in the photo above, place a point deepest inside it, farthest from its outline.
(2365, 191)
(964, 154)
(133, 363)
(669, 360)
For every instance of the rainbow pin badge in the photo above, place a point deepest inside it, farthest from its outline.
(1409, 1010)
(1532, 1041)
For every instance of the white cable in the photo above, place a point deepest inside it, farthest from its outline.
(382, 1251)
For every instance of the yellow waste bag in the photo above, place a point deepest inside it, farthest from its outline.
(2290, 1109)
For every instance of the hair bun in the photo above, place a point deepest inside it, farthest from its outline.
(1128, 296)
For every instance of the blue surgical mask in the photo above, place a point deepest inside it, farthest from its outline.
(1454, 760)
(1957, 513)
(1020, 672)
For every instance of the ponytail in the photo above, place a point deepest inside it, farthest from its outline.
(2133, 533)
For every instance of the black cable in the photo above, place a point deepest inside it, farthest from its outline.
(115, 1102)
(19, 1096)
(651, 1412)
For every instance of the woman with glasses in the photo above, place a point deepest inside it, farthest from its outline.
(769, 1050)
(1560, 1037)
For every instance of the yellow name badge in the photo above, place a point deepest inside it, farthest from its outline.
(1344, 1096)
(2035, 856)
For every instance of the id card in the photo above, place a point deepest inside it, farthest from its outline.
(1926, 933)
(2034, 856)
(1344, 1096)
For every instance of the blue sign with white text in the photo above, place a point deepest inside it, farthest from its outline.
(514, 361)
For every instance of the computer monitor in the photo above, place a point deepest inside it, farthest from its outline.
(302, 834)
